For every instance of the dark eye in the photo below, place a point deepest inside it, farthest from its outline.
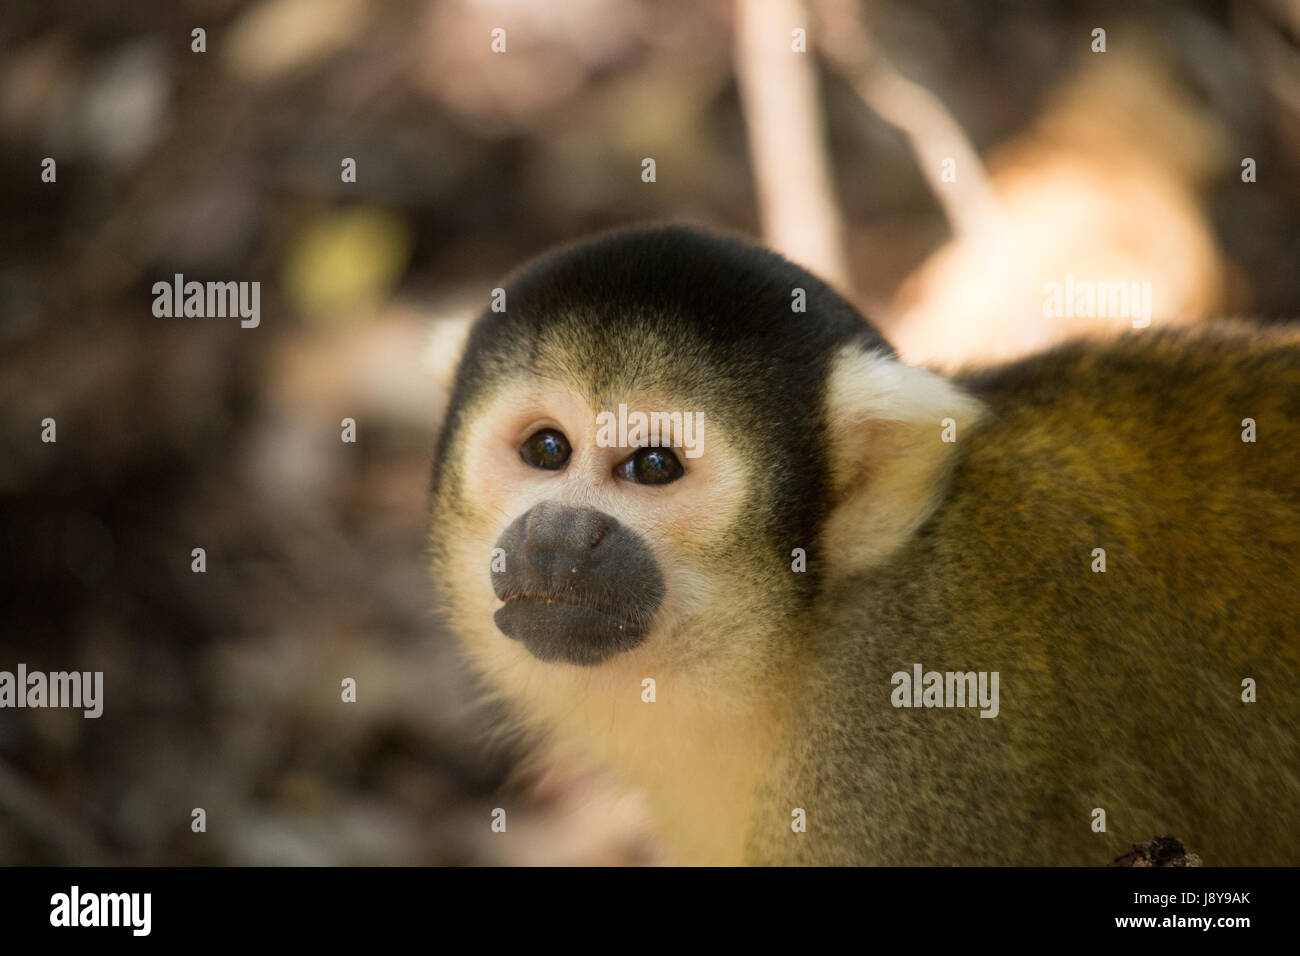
(547, 449)
(651, 466)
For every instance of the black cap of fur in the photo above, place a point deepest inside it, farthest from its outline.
(707, 319)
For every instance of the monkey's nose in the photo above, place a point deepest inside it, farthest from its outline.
(558, 540)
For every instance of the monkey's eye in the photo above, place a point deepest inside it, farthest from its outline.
(651, 466)
(547, 449)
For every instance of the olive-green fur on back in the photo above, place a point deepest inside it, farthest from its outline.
(1119, 690)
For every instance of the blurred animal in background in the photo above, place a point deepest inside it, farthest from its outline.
(1106, 187)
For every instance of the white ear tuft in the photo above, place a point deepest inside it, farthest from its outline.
(890, 460)
(447, 340)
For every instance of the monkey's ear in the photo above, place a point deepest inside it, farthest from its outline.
(447, 341)
(893, 431)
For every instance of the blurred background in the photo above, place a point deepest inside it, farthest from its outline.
(222, 689)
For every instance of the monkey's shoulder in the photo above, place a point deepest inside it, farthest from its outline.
(1109, 482)
(1210, 411)
(1193, 368)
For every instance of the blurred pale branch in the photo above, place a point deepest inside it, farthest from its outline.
(787, 138)
(931, 131)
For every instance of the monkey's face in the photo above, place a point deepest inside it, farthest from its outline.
(577, 544)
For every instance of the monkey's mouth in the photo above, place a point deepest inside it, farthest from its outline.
(561, 627)
(546, 599)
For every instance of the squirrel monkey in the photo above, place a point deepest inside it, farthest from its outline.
(693, 519)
